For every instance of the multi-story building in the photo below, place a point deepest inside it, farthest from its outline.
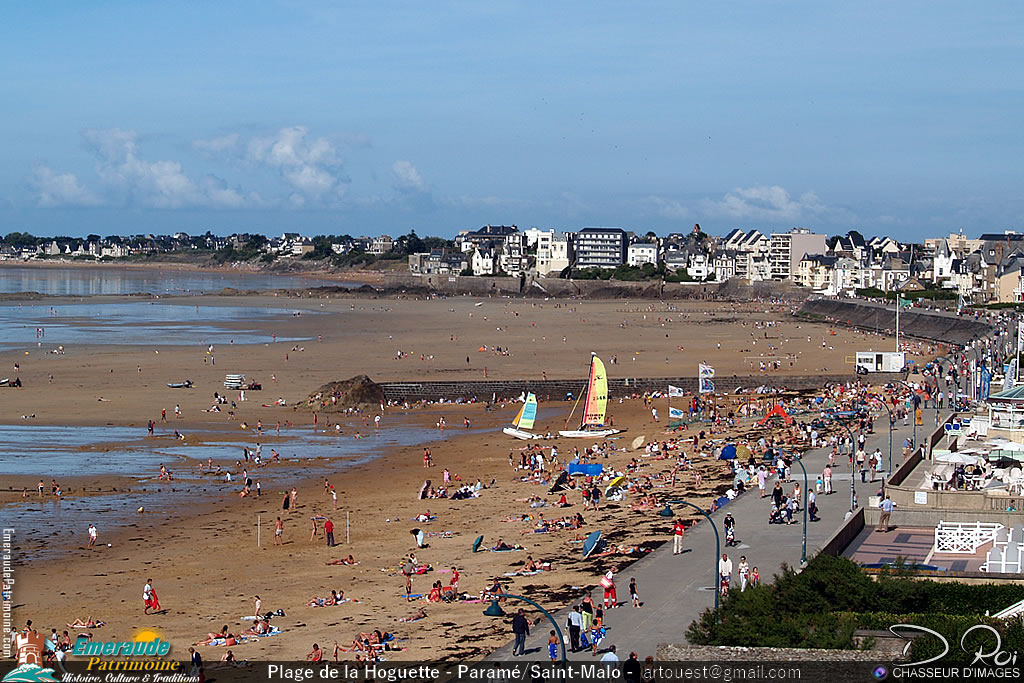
(438, 262)
(511, 258)
(381, 245)
(640, 253)
(553, 254)
(786, 249)
(600, 248)
(482, 262)
(491, 236)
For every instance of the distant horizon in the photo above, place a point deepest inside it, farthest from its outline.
(319, 117)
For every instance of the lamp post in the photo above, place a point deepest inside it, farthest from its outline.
(799, 461)
(718, 544)
(853, 464)
(494, 610)
(952, 367)
(892, 421)
(912, 394)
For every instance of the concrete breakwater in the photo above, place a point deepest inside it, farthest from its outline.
(556, 389)
(941, 327)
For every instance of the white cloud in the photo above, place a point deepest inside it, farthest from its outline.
(407, 177)
(766, 202)
(310, 166)
(59, 189)
(218, 144)
(161, 184)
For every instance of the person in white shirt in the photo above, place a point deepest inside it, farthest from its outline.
(744, 572)
(725, 571)
(92, 535)
(610, 656)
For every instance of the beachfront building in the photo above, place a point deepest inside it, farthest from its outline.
(786, 249)
(600, 248)
(698, 266)
(490, 236)
(381, 245)
(724, 264)
(438, 262)
(482, 262)
(640, 253)
(511, 256)
(553, 252)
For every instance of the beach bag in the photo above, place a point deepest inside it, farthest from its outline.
(607, 583)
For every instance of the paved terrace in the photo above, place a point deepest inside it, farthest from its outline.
(675, 590)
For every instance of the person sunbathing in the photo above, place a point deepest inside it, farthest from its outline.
(88, 623)
(229, 656)
(348, 561)
(261, 627)
(530, 565)
(210, 637)
(415, 616)
(435, 592)
(501, 545)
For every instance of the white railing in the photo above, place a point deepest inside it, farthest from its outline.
(1011, 611)
(964, 537)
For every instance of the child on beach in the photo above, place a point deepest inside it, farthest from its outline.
(553, 646)
(634, 597)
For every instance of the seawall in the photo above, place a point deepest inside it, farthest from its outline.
(939, 327)
(556, 389)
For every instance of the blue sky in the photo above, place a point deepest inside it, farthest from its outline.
(899, 118)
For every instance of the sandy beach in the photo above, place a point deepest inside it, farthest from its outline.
(204, 559)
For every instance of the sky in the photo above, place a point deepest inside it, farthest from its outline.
(900, 119)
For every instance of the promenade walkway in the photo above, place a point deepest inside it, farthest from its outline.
(675, 589)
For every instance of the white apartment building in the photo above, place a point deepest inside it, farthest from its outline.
(552, 252)
(640, 253)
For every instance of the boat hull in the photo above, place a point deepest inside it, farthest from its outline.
(589, 433)
(520, 434)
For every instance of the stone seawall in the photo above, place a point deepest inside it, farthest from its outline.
(590, 289)
(913, 322)
(556, 389)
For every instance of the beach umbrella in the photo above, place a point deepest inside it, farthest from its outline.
(560, 483)
(424, 489)
(476, 543)
(590, 543)
(616, 481)
(638, 442)
(728, 453)
(743, 452)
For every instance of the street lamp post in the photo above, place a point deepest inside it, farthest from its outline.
(799, 461)
(912, 394)
(494, 610)
(892, 421)
(718, 544)
(853, 443)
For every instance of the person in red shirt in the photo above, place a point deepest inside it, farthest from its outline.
(677, 538)
(454, 583)
(329, 531)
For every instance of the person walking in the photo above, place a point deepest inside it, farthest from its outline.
(279, 531)
(329, 532)
(575, 623)
(92, 535)
(634, 597)
(257, 604)
(678, 531)
(744, 573)
(883, 521)
(725, 572)
(521, 629)
(826, 476)
(861, 465)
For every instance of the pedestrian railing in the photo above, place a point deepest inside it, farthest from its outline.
(966, 537)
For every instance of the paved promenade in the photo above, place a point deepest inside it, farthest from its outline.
(675, 589)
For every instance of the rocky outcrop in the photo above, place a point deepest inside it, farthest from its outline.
(356, 392)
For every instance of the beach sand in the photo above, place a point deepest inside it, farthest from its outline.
(204, 560)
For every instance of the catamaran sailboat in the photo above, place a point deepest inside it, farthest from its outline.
(595, 407)
(524, 420)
